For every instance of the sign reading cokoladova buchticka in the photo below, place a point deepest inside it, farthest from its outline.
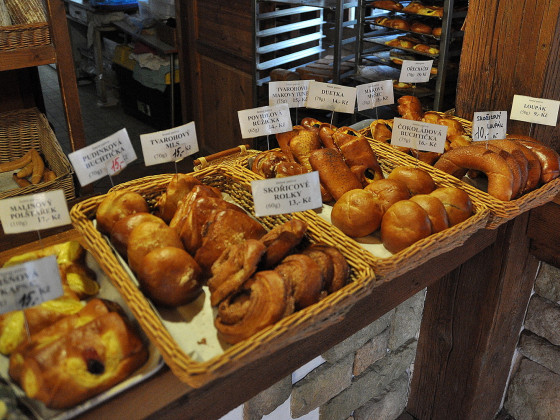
(418, 135)
(535, 110)
(27, 213)
(291, 92)
(169, 145)
(415, 71)
(489, 125)
(265, 120)
(331, 97)
(29, 284)
(90, 163)
(372, 95)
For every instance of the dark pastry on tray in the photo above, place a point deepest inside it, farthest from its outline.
(413, 7)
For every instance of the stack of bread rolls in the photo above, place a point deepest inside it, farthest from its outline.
(195, 237)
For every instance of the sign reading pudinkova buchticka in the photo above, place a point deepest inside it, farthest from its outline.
(29, 284)
(90, 163)
(292, 93)
(331, 97)
(169, 145)
(415, 71)
(34, 212)
(419, 135)
(287, 195)
(489, 125)
(371, 95)
(535, 110)
(265, 120)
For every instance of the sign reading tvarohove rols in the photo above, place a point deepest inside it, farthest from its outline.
(169, 145)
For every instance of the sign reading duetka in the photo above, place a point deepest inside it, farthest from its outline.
(419, 135)
(331, 97)
(292, 93)
(169, 145)
(90, 163)
(534, 110)
(287, 195)
(34, 212)
(415, 71)
(29, 284)
(489, 125)
(375, 94)
(265, 120)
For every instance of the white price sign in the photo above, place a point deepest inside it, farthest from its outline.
(415, 71)
(292, 93)
(419, 135)
(265, 120)
(535, 110)
(90, 163)
(375, 94)
(26, 285)
(169, 145)
(115, 165)
(489, 125)
(34, 212)
(331, 97)
(287, 195)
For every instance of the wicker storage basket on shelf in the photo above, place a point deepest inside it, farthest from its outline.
(226, 157)
(30, 27)
(500, 211)
(25, 129)
(274, 338)
(423, 250)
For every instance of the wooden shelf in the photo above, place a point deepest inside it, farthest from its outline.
(27, 57)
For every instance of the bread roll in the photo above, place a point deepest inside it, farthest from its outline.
(388, 191)
(387, 4)
(420, 28)
(435, 209)
(265, 163)
(117, 205)
(185, 204)
(179, 186)
(334, 174)
(548, 158)
(357, 213)
(303, 144)
(170, 276)
(431, 117)
(381, 130)
(404, 223)
(417, 180)
(326, 135)
(283, 140)
(399, 24)
(284, 169)
(457, 203)
(436, 31)
(454, 127)
(121, 229)
(410, 108)
(413, 7)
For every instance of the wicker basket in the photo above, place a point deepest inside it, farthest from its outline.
(24, 36)
(500, 211)
(25, 129)
(227, 157)
(285, 332)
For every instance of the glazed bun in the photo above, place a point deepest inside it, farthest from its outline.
(435, 209)
(357, 213)
(417, 180)
(170, 276)
(117, 205)
(146, 237)
(404, 223)
(121, 229)
(388, 191)
(457, 203)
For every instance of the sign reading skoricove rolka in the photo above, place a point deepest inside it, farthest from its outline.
(90, 163)
(535, 110)
(34, 212)
(287, 195)
(169, 145)
(292, 93)
(264, 121)
(419, 135)
(371, 95)
(331, 97)
(29, 284)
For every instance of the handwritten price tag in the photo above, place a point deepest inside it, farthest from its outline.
(34, 212)
(287, 195)
(534, 110)
(415, 71)
(419, 135)
(375, 94)
(265, 120)
(169, 145)
(116, 165)
(292, 93)
(331, 97)
(489, 125)
(29, 284)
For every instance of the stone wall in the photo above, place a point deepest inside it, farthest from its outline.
(534, 390)
(364, 377)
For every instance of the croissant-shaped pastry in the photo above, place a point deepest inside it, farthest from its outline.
(302, 145)
(305, 277)
(340, 267)
(281, 240)
(185, 203)
(261, 302)
(179, 186)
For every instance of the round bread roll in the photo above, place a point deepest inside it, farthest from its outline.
(417, 180)
(431, 117)
(388, 191)
(117, 205)
(435, 209)
(404, 223)
(457, 203)
(421, 28)
(454, 127)
(121, 229)
(357, 213)
(146, 237)
(170, 276)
